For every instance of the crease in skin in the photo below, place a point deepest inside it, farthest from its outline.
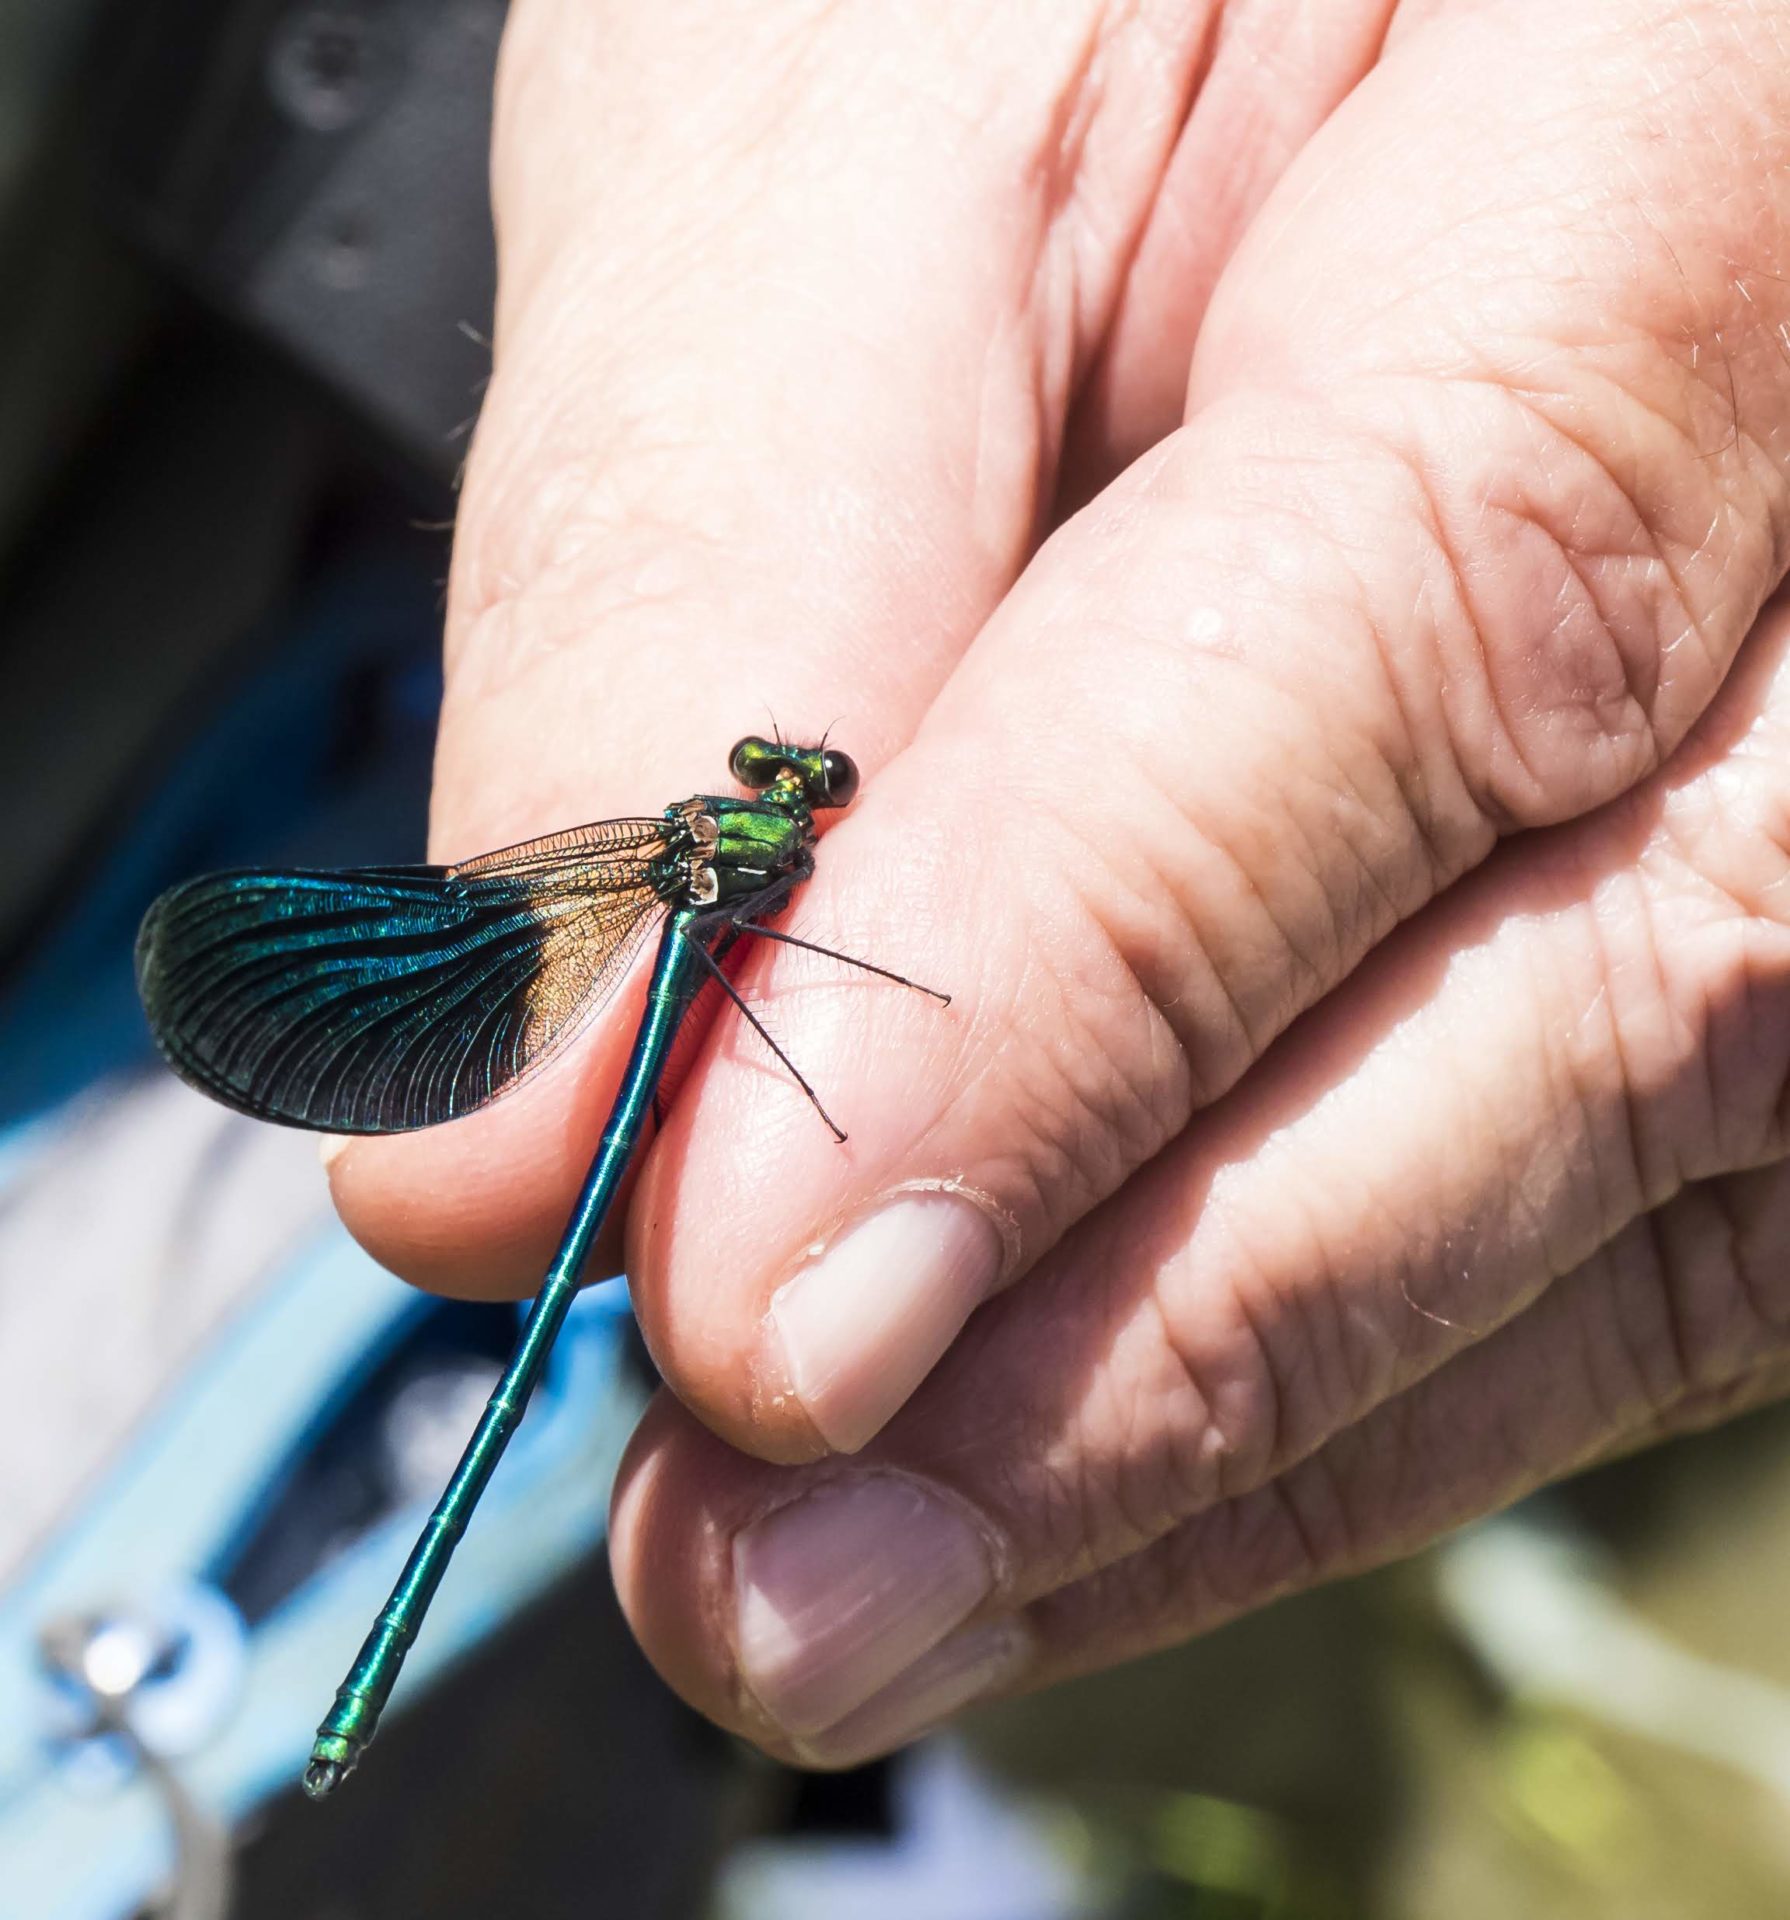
(1711, 1390)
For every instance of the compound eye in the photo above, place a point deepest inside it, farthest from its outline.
(838, 778)
(754, 762)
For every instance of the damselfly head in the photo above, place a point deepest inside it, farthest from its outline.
(824, 776)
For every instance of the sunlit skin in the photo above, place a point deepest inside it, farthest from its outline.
(1355, 840)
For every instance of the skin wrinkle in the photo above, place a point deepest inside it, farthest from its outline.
(1715, 1108)
(1163, 1571)
(1482, 788)
(1233, 1450)
(1315, 966)
(1389, 656)
(1315, 1521)
(1643, 684)
(1744, 1256)
(1565, 1095)
(1714, 990)
(1165, 1003)
(1651, 1336)
(1642, 1191)
(1141, 1492)
(1086, 1116)
(1141, 1498)
(1256, 893)
(1369, 1384)
(1692, 854)
(1160, 1102)
(1660, 1335)
(1761, 1385)
(1703, 1296)
(1421, 809)
(1286, 1391)
(1673, 1175)
(1655, 1182)
(1293, 1312)
(1037, 1173)
(585, 531)
(1406, 1365)
(1367, 877)
(1716, 1306)
(1270, 1546)
(1749, 1021)
(1318, 975)
(1324, 1353)
(1182, 1473)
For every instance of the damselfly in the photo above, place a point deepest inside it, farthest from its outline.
(377, 999)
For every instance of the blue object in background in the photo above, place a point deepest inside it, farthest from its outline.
(185, 1546)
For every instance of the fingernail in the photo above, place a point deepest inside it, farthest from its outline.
(846, 1588)
(960, 1670)
(862, 1324)
(331, 1147)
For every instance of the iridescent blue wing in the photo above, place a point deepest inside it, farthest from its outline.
(378, 999)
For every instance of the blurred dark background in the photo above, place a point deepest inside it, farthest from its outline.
(246, 278)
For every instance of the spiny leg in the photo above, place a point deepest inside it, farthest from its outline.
(847, 959)
(758, 1027)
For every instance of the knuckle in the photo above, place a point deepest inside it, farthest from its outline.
(1557, 604)
(1574, 563)
(1237, 1382)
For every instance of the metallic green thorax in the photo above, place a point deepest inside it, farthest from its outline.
(722, 850)
(757, 841)
(727, 862)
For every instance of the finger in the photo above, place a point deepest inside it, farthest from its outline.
(789, 320)
(1271, 75)
(1286, 681)
(1683, 1320)
(1540, 1061)
(1686, 1314)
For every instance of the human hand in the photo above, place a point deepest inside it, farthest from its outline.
(1392, 683)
